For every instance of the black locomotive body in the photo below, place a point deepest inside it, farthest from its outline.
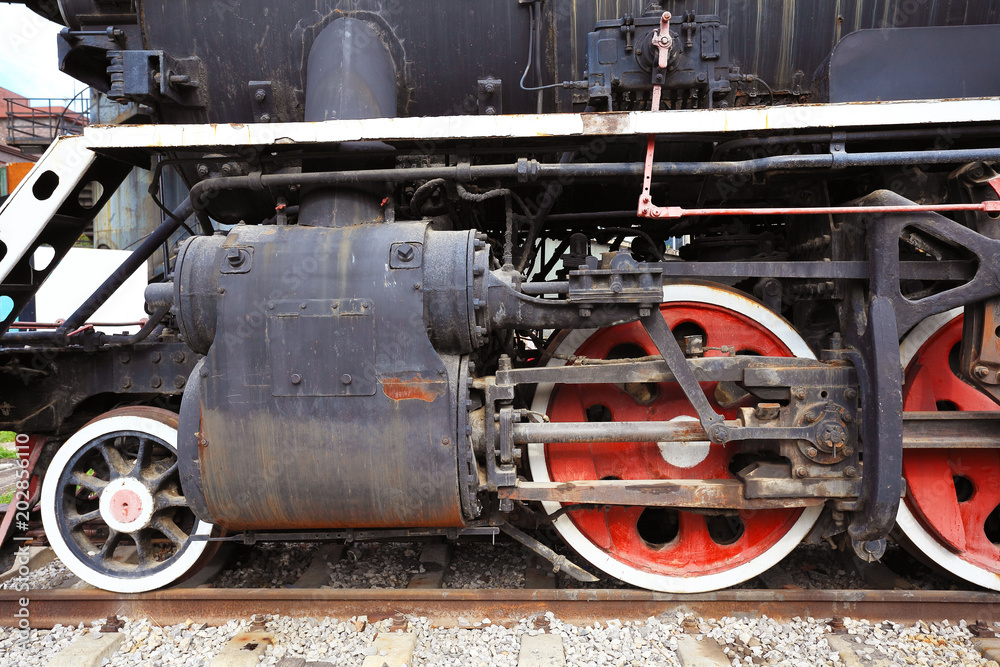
(689, 283)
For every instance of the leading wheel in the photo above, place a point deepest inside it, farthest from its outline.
(112, 505)
(661, 548)
(951, 512)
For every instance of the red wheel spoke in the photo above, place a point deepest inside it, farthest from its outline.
(951, 492)
(932, 495)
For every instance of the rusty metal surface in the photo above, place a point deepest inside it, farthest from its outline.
(966, 430)
(334, 369)
(652, 493)
(503, 606)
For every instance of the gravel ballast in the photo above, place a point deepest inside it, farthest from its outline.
(760, 641)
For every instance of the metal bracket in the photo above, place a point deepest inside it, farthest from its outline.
(154, 77)
(262, 101)
(489, 96)
(623, 281)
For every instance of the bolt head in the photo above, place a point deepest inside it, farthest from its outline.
(981, 371)
(801, 471)
(260, 95)
(811, 452)
(405, 252)
(851, 471)
(265, 118)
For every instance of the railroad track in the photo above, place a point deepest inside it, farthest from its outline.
(448, 608)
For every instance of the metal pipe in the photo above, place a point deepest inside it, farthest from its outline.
(531, 170)
(593, 432)
(555, 287)
(827, 137)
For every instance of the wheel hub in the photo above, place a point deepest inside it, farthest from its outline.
(126, 505)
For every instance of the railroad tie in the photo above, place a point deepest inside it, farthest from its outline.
(88, 651)
(989, 647)
(243, 650)
(538, 573)
(543, 650)
(705, 652)
(318, 572)
(435, 558)
(391, 650)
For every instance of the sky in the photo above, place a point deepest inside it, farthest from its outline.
(29, 63)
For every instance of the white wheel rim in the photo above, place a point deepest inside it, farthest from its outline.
(572, 535)
(192, 551)
(918, 536)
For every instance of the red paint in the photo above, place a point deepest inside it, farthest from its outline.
(931, 493)
(126, 506)
(693, 552)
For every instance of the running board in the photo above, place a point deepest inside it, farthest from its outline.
(45, 210)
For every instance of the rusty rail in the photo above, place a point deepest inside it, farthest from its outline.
(448, 608)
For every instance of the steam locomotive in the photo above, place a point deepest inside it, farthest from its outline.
(680, 285)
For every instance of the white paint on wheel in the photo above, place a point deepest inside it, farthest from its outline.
(921, 333)
(51, 490)
(684, 454)
(915, 533)
(784, 332)
(126, 505)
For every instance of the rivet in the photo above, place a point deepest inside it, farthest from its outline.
(126, 383)
(445, 441)
(295, 378)
(417, 286)
(155, 357)
(346, 379)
